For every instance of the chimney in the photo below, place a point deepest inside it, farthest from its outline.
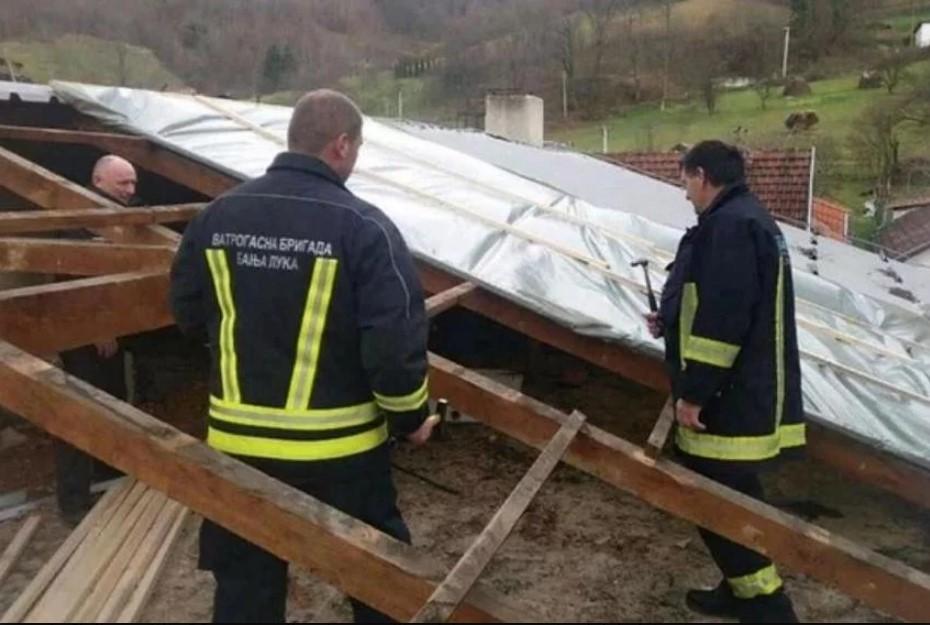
(514, 117)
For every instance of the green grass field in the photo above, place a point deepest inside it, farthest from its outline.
(88, 59)
(838, 103)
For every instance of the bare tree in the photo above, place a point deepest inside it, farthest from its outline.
(667, 61)
(600, 15)
(875, 139)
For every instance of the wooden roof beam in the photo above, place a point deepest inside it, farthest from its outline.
(383, 572)
(139, 150)
(16, 222)
(81, 258)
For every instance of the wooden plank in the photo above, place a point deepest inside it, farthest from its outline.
(33, 591)
(49, 190)
(450, 593)
(16, 222)
(140, 151)
(81, 258)
(53, 317)
(449, 298)
(877, 580)
(17, 545)
(140, 597)
(659, 435)
(281, 519)
(151, 504)
(66, 594)
(141, 562)
(856, 460)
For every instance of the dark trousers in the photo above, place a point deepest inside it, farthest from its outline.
(74, 469)
(732, 559)
(251, 583)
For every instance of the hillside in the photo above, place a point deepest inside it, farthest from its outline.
(88, 59)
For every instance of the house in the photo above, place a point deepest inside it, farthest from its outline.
(922, 35)
(907, 238)
(781, 178)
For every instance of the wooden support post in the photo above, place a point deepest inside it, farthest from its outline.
(449, 298)
(281, 519)
(16, 222)
(859, 461)
(81, 258)
(140, 151)
(49, 190)
(660, 432)
(881, 582)
(450, 593)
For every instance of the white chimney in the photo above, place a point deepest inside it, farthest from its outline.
(514, 117)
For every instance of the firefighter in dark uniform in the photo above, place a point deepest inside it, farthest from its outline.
(727, 315)
(315, 319)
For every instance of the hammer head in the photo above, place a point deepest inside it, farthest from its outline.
(642, 262)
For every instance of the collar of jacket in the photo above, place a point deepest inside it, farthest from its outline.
(725, 195)
(307, 165)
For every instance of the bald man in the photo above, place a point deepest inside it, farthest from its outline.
(115, 177)
(315, 317)
(102, 364)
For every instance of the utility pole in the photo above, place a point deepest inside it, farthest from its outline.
(400, 103)
(784, 62)
(605, 136)
(564, 94)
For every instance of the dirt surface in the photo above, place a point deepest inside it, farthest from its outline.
(583, 552)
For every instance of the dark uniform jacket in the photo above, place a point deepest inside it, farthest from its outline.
(731, 343)
(314, 315)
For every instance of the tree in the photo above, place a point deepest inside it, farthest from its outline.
(875, 139)
(600, 14)
(279, 64)
(667, 61)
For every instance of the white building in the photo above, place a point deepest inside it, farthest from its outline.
(922, 35)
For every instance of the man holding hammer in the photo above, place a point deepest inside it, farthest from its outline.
(727, 315)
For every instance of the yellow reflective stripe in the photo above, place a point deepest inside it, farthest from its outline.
(323, 419)
(280, 449)
(411, 401)
(779, 343)
(711, 352)
(763, 582)
(745, 448)
(219, 270)
(312, 325)
(689, 304)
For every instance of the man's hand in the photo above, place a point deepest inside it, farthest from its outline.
(425, 430)
(107, 349)
(688, 415)
(656, 327)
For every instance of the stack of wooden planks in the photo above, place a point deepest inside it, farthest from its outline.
(107, 567)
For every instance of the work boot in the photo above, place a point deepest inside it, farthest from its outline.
(774, 608)
(717, 602)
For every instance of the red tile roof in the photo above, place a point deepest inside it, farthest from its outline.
(781, 179)
(908, 235)
(831, 219)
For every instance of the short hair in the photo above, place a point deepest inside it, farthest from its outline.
(319, 117)
(106, 161)
(722, 163)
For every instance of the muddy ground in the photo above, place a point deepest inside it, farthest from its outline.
(583, 552)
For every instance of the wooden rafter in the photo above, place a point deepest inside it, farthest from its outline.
(877, 580)
(16, 222)
(81, 258)
(142, 152)
(855, 459)
(49, 190)
(288, 523)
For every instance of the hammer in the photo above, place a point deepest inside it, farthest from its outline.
(644, 263)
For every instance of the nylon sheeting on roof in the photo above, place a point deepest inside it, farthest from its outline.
(864, 363)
